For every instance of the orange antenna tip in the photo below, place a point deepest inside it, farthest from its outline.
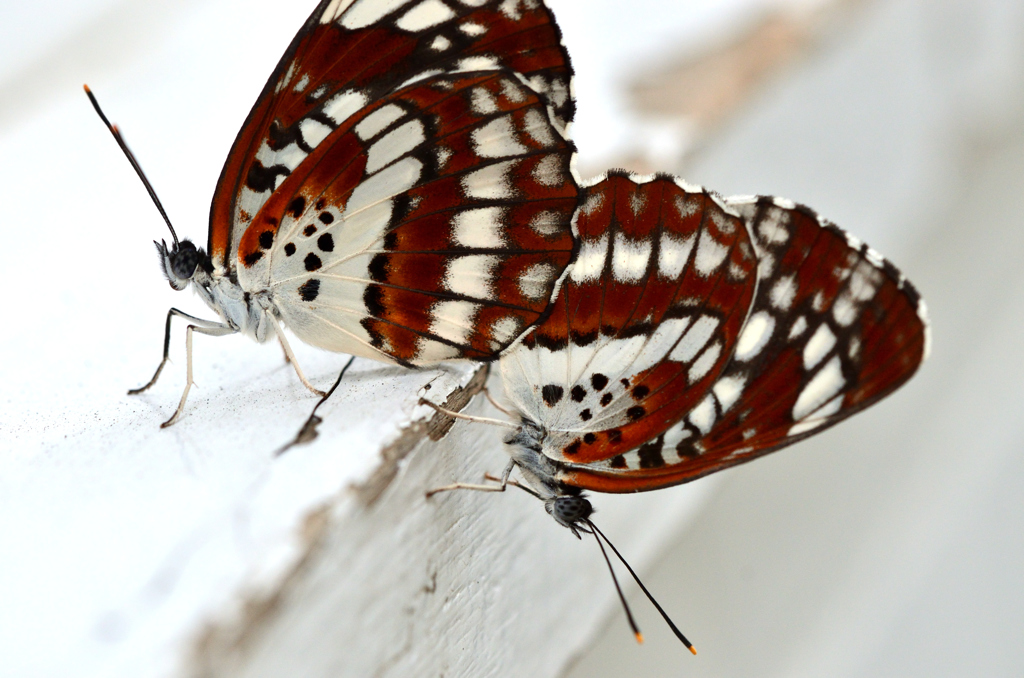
(693, 650)
(639, 638)
(86, 88)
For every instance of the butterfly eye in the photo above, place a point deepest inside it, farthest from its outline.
(180, 262)
(570, 509)
(184, 260)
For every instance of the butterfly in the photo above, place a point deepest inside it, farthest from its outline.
(694, 333)
(401, 190)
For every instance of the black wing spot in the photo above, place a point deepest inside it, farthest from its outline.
(547, 342)
(583, 339)
(253, 257)
(589, 438)
(297, 206)
(312, 262)
(571, 448)
(606, 398)
(320, 204)
(650, 454)
(379, 268)
(326, 218)
(686, 449)
(325, 242)
(373, 297)
(551, 394)
(640, 392)
(266, 239)
(624, 382)
(309, 230)
(585, 415)
(310, 289)
(636, 412)
(289, 249)
(598, 381)
(578, 393)
(262, 179)
(614, 436)
(618, 462)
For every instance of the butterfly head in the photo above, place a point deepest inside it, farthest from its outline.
(570, 510)
(180, 262)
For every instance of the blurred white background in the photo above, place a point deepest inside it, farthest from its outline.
(888, 546)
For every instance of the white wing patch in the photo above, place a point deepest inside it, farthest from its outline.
(364, 13)
(590, 262)
(424, 15)
(629, 258)
(376, 122)
(755, 335)
(344, 105)
(710, 254)
(393, 145)
(695, 339)
(479, 228)
(491, 181)
(702, 365)
(821, 388)
(673, 255)
(497, 139)
(818, 346)
(472, 275)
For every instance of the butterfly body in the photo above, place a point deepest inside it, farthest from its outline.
(241, 311)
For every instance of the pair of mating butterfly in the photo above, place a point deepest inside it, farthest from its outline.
(403, 190)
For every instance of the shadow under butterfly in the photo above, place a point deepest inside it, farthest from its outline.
(694, 333)
(401, 190)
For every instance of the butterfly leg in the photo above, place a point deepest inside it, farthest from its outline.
(287, 360)
(468, 417)
(494, 402)
(167, 344)
(513, 483)
(308, 432)
(503, 482)
(216, 330)
(290, 357)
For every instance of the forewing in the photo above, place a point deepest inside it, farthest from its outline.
(347, 56)
(432, 225)
(644, 322)
(833, 329)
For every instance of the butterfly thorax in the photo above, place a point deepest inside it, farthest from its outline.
(244, 311)
(563, 502)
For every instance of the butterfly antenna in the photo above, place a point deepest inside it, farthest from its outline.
(618, 589)
(598, 533)
(131, 158)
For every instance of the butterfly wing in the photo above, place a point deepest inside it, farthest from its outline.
(644, 323)
(347, 55)
(432, 224)
(834, 327)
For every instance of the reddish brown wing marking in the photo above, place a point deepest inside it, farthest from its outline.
(834, 329)
(347, 56)
(456, 261)
(653, 255)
